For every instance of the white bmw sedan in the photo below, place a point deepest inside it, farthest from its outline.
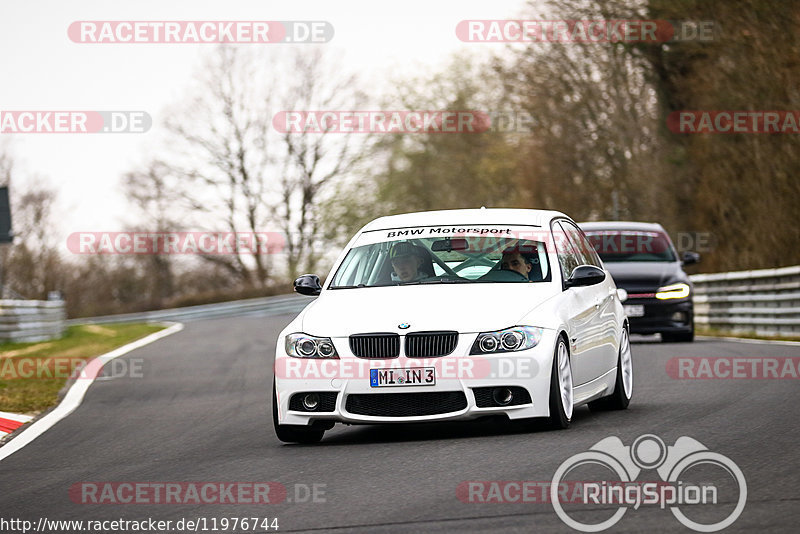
(453, 315)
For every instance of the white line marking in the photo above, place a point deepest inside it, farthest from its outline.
(75, 394)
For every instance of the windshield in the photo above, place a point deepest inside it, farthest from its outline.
(615, 246)
(467, 259)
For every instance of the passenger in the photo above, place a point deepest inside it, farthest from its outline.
(406, 261)
(513, 260)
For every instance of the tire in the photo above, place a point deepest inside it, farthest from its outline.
(561, 399)
(293, 433)
(623, 385)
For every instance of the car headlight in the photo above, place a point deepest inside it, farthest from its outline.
(674, 291)
(305, 346)
(508, 340)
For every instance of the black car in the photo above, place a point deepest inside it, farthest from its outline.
(643, 261)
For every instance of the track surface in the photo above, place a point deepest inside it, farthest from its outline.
(202, 413)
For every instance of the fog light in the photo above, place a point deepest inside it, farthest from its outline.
(311, 401)
(679, 317)
(502, 396)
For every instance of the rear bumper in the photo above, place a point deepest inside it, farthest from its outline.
(660, 316)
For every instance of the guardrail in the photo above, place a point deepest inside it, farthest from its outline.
(765, 302)
(264, 306)
(31, 320)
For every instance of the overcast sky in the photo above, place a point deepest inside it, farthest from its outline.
(43, 70)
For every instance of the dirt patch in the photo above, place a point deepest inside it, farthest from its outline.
(26, 350)
(97, 329)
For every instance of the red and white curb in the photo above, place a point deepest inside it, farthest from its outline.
(9, 422)
(75, 394)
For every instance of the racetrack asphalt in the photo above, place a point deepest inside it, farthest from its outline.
(201, 412)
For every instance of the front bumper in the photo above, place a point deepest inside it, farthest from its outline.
(463, 388)
(662, 316)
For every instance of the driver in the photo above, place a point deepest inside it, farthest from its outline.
(513, 260)
(406, 260)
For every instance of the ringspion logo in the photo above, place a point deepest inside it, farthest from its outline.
(673, 464)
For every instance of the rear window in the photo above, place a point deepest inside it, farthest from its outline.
(615, 246)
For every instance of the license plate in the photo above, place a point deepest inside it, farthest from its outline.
(635, 310)
(411, 376)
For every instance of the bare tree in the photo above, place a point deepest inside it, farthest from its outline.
(596, 116)
(237, 171)
(219, 148)
(311, 161)
(154, 193)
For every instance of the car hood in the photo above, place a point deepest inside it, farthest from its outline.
(459, 307)
(644, 276)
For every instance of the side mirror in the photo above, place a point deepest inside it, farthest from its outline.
(585, 275)
(308, 284)
(690, 257)
(622, 294)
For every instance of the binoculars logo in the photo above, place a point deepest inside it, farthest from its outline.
(648, 452)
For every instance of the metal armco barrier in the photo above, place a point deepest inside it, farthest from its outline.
(265, 306)
(31, 320)
(765, 302)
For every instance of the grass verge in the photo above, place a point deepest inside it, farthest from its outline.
(33, 374)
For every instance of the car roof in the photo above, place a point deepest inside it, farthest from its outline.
(519, 217)
(621, 225)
